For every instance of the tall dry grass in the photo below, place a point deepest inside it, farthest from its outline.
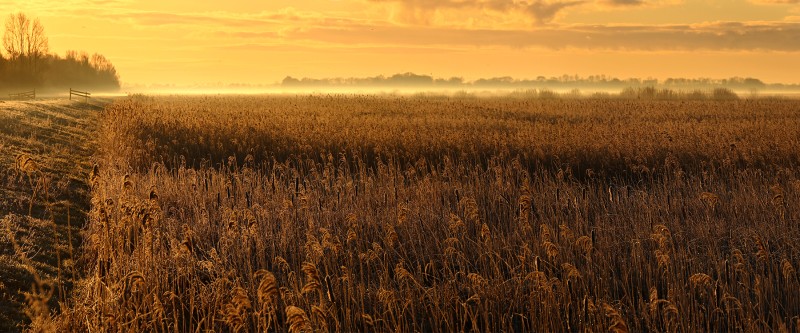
(359, 213)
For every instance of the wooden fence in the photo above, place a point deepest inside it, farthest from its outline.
(24, 95)
(85, 94)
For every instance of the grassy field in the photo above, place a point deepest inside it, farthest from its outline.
(383, 213)
(367, 213)
(45, 154)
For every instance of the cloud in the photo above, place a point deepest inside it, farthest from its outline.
(625, 2)
(719, 36)
(295, 27)
(776, 2)
(255, 24)
(544, 12)
(606, 5)
(147, 18)
(54, 7)
(540, 11)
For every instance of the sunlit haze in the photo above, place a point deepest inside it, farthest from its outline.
(203, 42)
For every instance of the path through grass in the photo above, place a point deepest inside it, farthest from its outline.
(46, 150)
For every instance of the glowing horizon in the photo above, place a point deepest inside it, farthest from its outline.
(187, 43)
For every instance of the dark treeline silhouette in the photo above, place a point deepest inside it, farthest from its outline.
(593, 82)
(27, 64)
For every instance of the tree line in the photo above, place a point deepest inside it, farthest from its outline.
(591, 82)
(27, 63)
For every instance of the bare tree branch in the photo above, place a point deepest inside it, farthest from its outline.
(25, 41)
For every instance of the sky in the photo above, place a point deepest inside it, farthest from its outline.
(203, 42)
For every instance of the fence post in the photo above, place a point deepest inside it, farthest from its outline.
(85, 94)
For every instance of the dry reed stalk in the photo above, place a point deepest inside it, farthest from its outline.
(700, 280)
(710, 199)
(26, 164)
(486, 234)
(787, 269)
(618, 324)
(550, 249)
(297, 319)
(570, 271)
(267, 288)
(584, 243)
(312, 277)
(234, 313)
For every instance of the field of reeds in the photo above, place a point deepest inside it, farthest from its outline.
(441, 214)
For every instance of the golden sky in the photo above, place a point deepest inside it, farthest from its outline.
(187, 42)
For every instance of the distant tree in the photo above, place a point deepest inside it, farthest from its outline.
(753, 82)
(287, 81)
(25, 42)
(410, 79)
(453, 81)
(105, 69)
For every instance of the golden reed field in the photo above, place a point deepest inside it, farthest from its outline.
(441, 214)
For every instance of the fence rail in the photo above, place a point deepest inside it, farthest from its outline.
(24, 95)
(85, 94)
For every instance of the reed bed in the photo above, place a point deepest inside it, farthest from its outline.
(369, 213)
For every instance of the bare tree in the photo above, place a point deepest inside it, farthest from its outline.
(25, 41)
(14, 38)
(38, 44)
